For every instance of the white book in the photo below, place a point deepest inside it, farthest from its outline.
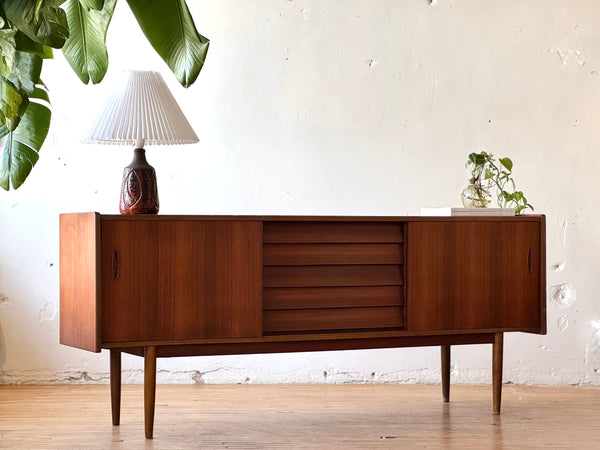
(442, 211)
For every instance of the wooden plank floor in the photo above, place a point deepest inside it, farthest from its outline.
(301, 416)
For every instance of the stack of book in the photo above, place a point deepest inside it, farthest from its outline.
(448, 211)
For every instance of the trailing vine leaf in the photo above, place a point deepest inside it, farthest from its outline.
(85, 50)
(506, 162)
(42, 21)
(520, 208)
(486, 174)
(170, 29)
(20, 147)
(478, 159)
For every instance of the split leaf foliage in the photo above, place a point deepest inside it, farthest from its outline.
(30, 29)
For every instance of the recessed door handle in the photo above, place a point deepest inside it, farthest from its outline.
(529, 261)
(115, 264)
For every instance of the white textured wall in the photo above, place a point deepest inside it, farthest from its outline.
(337, 107)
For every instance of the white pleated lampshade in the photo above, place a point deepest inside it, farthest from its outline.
(141, 109)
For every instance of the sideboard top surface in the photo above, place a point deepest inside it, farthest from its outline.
(276, 218)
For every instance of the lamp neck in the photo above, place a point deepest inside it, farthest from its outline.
(139, 159)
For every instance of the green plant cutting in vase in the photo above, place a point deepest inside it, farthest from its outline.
(488, 174)
(30, 29)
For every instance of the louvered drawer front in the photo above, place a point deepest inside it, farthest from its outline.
(332, 276)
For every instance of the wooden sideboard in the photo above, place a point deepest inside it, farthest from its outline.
(164, 286)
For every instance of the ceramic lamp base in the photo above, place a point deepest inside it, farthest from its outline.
(139, 192)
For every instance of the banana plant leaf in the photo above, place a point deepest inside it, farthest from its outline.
(23, 43)
(93, 4)
(7, 51)
(15, 89)
(29, 28)
(26, 71)
(85, 50)
(13, 104)
(20, 147)
(43, 21)
(169, 27)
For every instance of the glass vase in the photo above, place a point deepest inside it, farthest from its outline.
(475, 196)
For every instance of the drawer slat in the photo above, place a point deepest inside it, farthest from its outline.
(332, 319)
(353, 275)
(332, 232)
(332, 297)
(319, 254)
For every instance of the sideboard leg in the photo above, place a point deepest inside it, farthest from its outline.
(446, 372)
(497, 371)
(115, 386)
(149, 389)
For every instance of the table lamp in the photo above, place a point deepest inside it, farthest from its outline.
(141, 111)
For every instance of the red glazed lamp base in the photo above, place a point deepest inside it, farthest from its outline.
(139, 192)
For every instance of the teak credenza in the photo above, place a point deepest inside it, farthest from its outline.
(164, 286)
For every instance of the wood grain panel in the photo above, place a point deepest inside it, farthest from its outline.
(542, 264)
(79, 281)
(331, 319)
(332, 297)
(323, 254)
(332, 232)
(473, 275)
(359, 275)
(178, 279)
(315, 345)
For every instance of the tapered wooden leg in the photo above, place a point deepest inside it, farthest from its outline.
(115, 386)
(149, 389)
(497, 371)
(446, 372)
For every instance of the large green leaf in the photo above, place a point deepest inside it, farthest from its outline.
(25, 44)
(13, 104)
(93, 4)
(85, 50)
(15, 89)
(7, 51)
(43, 21)
(26, 71)
(20, 147)
(170, 29)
